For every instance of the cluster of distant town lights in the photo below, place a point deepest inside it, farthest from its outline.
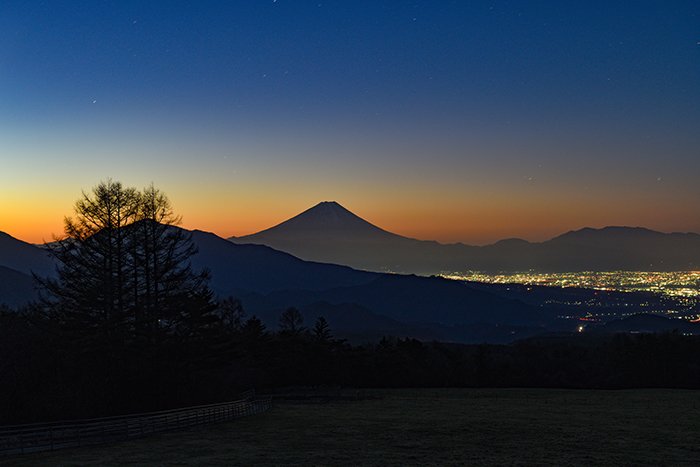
(673, 284)
(681, 286)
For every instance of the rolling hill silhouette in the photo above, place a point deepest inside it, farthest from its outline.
(16, 288)
(413, 306)
(24, 257)
(255, 268)
(268, 281)
(647, 323)
(18, 260)
(415, 299)
(330, 233)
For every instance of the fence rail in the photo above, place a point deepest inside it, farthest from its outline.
(36, 437)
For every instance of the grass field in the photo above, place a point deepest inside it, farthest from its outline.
(432, 427)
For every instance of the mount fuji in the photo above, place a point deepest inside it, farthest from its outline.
(330, 233)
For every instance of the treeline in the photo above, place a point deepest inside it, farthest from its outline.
(621, 361)
(47, 377)
(47, 373)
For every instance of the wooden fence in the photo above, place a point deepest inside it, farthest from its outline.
(35, 437)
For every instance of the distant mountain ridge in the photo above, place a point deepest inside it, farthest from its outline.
(330, 233)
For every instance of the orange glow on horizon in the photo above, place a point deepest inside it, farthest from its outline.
(469, 220)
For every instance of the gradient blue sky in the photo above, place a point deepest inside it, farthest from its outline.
(449, 120)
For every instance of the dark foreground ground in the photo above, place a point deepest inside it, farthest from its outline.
(445, 427)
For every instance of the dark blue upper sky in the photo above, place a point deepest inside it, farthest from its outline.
(448, 101)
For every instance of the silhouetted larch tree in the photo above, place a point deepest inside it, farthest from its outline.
(322, 331)
(168, 294)
(231, 314)
(291, 321)
(91, 293)
(253, 327)
(124, 269)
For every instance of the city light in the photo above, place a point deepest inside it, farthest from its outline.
(679, 284)
(672, 294)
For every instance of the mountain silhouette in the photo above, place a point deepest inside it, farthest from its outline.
(256, 268)
(326, 219)
(358, 302)
(270, 280)
(359, 325)
(330, 233)
(16, 288)
(24, 257)
(416, 299)
(647, 323)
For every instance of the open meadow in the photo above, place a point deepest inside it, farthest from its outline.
(430, 426)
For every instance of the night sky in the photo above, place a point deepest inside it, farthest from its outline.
(455, 121)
